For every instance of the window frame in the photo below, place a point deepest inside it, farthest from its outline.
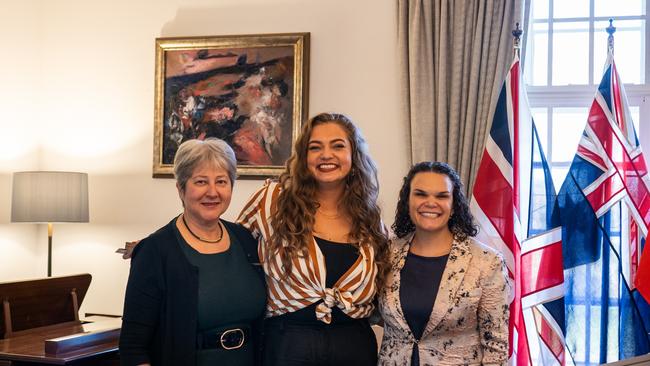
(551, 96)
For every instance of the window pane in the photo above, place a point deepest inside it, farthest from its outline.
(629, 50)
(575, 331)
(613, 8)
(570, 9)
(540, 9)
(634, 111)
(568, 124)
(559, 174)
(540, 116)
(538, 54)
(571, 53)
(594, 332)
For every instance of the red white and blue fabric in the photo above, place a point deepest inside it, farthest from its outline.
(604, 207)
(513, 203)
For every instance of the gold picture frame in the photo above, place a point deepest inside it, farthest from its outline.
(249, 90)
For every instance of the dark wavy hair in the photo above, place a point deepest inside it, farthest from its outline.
(293, 221)
(461, 222)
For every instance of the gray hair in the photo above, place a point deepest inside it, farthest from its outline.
(193, 153)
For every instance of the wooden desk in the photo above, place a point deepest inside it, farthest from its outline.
(634, 361)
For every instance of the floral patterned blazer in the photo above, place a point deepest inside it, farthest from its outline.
(469, 321)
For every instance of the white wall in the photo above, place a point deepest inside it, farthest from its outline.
(76, 88)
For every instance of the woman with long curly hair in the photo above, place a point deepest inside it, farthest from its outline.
(323, 246)
(446, 297)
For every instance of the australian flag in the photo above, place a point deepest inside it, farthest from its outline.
(605, 212)
(513, 202)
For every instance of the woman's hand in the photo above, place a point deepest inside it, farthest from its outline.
(127, 251)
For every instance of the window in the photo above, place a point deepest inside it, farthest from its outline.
(566, 51)
(565, 55)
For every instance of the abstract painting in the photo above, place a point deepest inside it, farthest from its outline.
(248, 90)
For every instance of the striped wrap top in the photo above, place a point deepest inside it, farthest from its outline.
(305, 285)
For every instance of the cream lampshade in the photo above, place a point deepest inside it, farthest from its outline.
(47, 197)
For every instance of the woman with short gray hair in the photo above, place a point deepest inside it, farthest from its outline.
(193, 297)
(212, 151)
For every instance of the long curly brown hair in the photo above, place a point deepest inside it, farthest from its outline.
(293, 221)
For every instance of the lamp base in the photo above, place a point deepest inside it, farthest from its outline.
(49, 249)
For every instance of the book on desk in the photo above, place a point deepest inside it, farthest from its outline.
(40, 324)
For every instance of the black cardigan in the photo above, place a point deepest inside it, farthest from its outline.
(159, 325)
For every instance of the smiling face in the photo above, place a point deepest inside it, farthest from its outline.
(431, 201)
(329, 154)
(206, 195)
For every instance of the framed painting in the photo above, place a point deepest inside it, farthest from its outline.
(248, 90)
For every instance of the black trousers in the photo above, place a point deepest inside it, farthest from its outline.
(290, 344)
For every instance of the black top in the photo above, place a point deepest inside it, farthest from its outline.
(339, 257)
(231, 295)
(160, 320)
(420, 280)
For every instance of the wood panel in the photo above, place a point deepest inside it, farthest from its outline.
(42, 302)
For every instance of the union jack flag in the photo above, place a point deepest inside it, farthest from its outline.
(513, 203)
(604, 206)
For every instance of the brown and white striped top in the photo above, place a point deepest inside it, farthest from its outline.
(352, 293)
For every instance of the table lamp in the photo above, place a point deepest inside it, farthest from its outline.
(48, 197)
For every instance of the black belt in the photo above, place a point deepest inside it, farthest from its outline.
(227, 339)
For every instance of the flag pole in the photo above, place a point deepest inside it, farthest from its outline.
(516, 33)
(610, 39)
